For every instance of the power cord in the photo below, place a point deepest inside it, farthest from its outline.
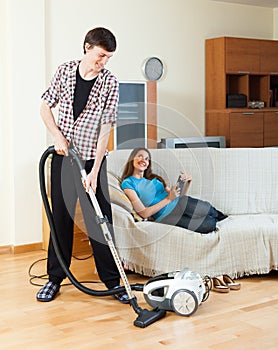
(33, 277)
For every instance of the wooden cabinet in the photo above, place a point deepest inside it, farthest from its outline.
(242, 56)
(81, 245)
(269, 56)
(242, 66)
(243, 128)
(270, 129)
(246, 129)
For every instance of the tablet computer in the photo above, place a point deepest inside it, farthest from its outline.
(180, 183)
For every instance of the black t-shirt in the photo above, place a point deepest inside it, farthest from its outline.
(81, 93)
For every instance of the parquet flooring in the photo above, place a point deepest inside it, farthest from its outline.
(245, 319)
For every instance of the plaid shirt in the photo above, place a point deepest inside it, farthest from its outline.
(101, 107)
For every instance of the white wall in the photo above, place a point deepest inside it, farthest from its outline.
(22, 135)
(5, 183)
(173, 30)
(275, 23)
(40, 34)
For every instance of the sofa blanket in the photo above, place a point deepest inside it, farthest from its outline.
(241, 182)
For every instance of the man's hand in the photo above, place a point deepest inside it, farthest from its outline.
(90, 182)
(61, 145)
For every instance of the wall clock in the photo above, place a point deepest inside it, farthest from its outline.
(153, 68)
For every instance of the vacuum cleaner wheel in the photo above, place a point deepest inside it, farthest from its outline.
(184, 302)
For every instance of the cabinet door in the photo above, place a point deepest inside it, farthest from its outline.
(270, 129)
(246, 129)
(269, 54)
(242, 55)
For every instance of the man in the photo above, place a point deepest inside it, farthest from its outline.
(88, 96)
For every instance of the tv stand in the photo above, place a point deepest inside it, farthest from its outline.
(193, 142)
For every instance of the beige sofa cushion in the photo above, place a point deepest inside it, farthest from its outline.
(118, 197)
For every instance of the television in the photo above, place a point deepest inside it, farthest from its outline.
(193, 142)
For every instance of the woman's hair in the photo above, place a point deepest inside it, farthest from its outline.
(100, 37)
(148, 173)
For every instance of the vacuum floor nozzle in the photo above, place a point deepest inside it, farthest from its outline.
(147, 317)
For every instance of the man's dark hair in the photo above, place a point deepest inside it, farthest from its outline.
(100, 37)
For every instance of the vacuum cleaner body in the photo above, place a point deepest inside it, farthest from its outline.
(179, 291)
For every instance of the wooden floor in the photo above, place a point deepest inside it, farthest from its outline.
(245, 319)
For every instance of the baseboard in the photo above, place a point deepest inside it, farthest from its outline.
(25, 248)
(5, 249)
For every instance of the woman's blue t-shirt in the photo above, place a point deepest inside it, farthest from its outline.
(150, 192)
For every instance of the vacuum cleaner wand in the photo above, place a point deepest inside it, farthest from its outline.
(145, 317)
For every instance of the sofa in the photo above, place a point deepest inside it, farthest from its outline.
(241, 182)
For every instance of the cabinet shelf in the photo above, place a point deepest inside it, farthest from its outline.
(256, 87)
(273, 91)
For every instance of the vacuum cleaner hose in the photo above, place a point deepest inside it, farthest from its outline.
(54, 236)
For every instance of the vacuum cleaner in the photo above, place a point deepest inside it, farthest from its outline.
(179, 291)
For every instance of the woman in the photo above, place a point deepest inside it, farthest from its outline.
(151, 197)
